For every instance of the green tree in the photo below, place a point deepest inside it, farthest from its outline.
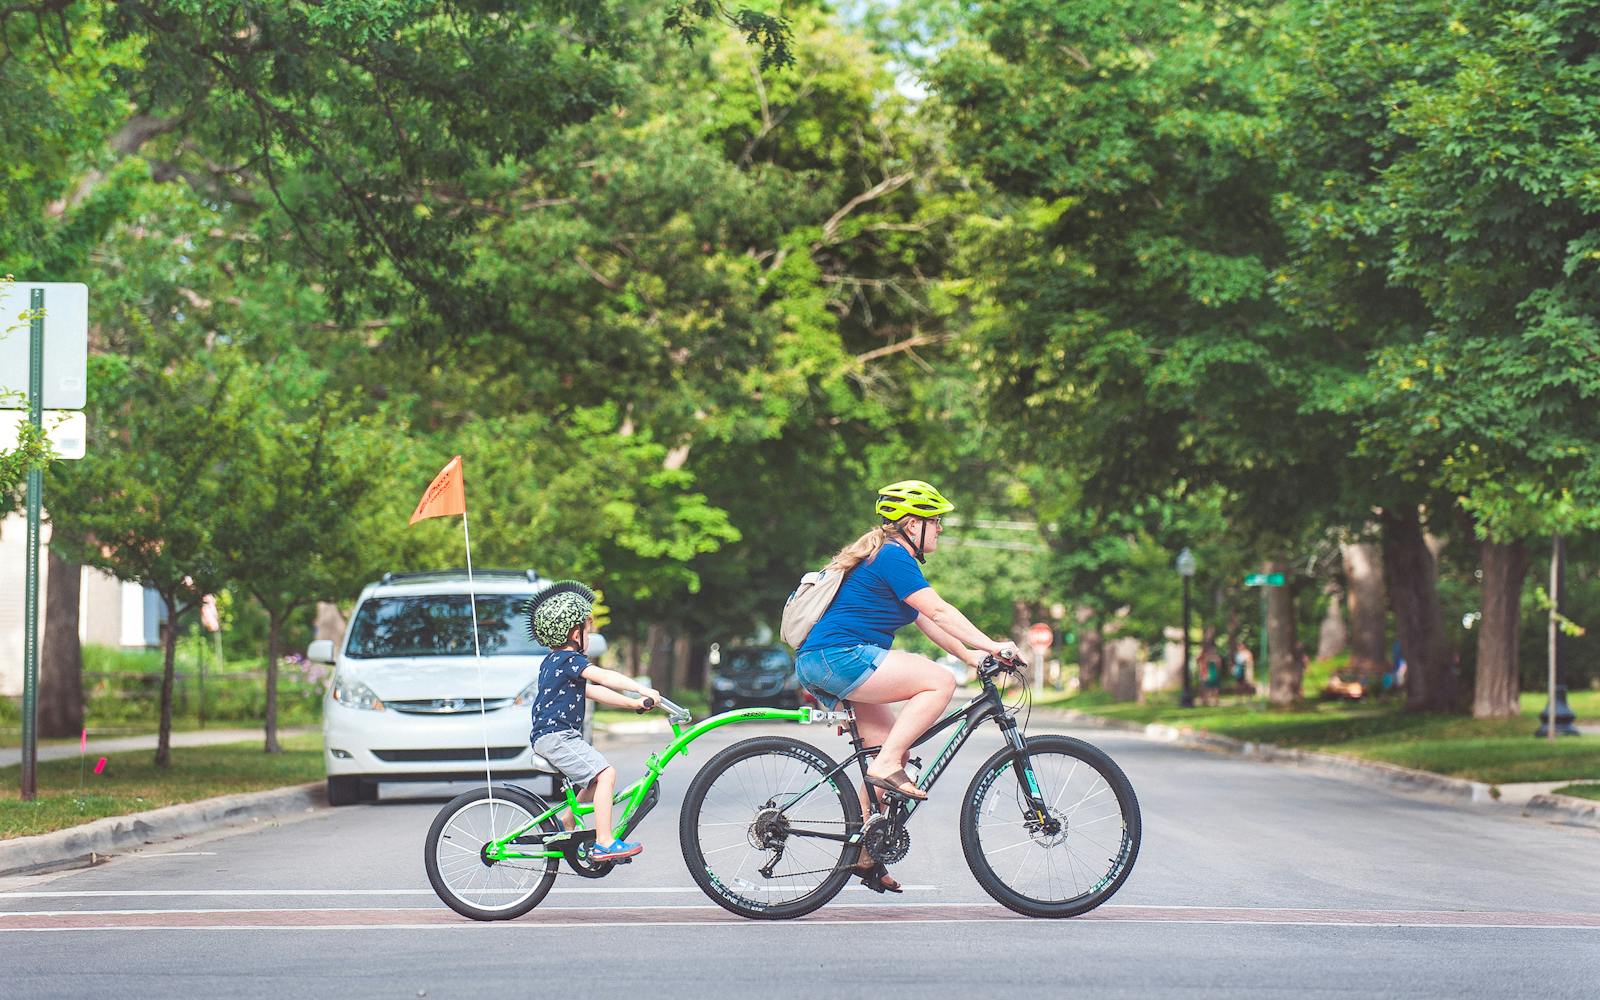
(142, 504)
(296, 524)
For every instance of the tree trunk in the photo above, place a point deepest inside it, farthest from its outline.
(1368, 605)
(1333, 637)
(697, 676)
(682, 646)
(169, 655)
(659, 639)
(330, 623)
(1409, 577)
(1091, 649)
(1496, 688)
(1122, 669)
(1285, 668)
(61, 658)
(274, 627)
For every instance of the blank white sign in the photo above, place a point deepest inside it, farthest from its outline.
(66, 344)
(68, 430)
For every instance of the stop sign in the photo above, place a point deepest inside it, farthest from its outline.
(1040, 636)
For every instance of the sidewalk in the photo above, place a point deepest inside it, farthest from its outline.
(12, 756)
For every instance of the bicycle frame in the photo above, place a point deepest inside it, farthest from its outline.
(965, 720)
(638, 798)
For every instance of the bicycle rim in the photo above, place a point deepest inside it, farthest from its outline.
(461, 876)
(740, 816)
(1037, 872)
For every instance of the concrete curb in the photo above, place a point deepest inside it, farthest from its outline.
(119, 834)
(1562, 808)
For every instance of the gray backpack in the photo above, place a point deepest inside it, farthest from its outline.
(809, 602)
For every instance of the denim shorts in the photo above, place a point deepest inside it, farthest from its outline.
(832, 673)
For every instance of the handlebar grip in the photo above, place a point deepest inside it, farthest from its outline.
(645, 705)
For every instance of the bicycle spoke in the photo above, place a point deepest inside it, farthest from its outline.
(1045, 867)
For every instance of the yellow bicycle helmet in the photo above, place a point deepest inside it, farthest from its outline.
(913, 497)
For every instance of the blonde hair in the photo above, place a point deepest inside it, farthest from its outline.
(860, 550)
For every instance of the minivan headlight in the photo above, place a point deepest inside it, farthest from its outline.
(354, 694)
(527, 694)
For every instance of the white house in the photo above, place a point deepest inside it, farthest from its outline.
(110, 613)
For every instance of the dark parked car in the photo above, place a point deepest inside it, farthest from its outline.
(756, 675)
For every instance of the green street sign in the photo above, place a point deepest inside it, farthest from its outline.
(1263, 580)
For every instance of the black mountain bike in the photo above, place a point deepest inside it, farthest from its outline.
(771, 827)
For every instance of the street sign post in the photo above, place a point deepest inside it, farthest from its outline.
(1263, 580)
(63, 385)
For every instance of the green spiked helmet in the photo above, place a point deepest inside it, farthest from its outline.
(558, 609)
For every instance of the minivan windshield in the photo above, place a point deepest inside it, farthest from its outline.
(441, 625)
(755, 661)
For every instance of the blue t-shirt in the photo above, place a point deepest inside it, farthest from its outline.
(559, 705)
(871, 604)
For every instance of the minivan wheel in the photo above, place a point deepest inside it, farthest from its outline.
(350, 789)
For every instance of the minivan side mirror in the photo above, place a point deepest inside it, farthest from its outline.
(320, 651)
(597, 645)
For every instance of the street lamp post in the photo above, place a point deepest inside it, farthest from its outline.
(1186, 570)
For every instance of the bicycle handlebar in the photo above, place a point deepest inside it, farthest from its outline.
(675, 712)
(993, 666)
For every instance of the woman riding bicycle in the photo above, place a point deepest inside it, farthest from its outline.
(847, 656)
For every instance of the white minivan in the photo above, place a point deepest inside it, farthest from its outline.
(409, 700)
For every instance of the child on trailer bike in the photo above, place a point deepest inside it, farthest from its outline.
(560, 617)
(846, 654)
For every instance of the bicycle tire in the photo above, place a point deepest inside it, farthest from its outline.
(762, 764)
(453, 876)
(995, 787)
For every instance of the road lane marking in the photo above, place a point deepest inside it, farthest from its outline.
(698, 915)
(581, 890)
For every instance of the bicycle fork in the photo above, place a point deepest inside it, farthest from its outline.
(1022, 765)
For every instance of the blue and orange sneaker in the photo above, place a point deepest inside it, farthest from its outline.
(617, 850)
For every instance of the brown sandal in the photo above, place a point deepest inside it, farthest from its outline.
(875, 876)
(899, 783)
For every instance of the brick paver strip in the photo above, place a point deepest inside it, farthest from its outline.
(379, 917)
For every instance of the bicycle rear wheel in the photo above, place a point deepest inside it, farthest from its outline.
(464, 878)
(752, 828)
(1069, 864)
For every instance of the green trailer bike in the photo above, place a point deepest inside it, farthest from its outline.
(772, 827)
(493, 853)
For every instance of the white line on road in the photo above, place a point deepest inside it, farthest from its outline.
(698, 907)
(581, 890)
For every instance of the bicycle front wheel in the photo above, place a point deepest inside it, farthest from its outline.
(461, 873)
(764, 829)
(1069, 863)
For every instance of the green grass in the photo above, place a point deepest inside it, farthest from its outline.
(132, 782)
(1581, 791)
(1492, 750)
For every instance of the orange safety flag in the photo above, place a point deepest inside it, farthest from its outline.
(446, 495)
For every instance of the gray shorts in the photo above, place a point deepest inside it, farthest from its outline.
(568, 753)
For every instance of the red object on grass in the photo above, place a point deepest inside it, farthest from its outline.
(100, 766)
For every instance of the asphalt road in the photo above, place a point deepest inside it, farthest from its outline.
(1254, 880)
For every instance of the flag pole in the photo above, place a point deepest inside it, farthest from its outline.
(477, 659)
